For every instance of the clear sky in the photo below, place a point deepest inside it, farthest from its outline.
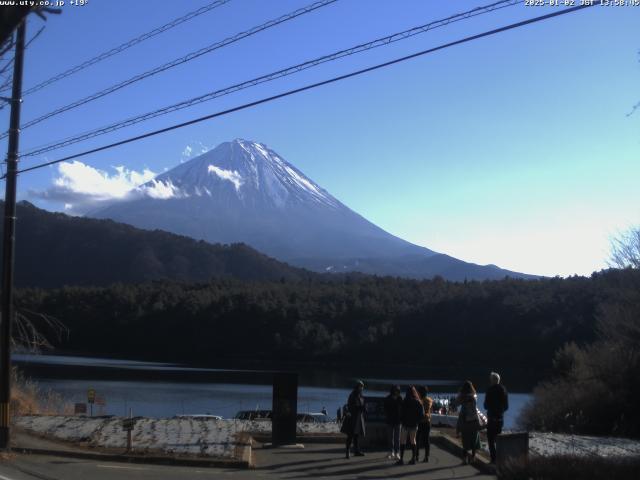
(515, 150)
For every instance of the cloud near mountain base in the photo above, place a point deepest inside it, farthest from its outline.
(81, 187)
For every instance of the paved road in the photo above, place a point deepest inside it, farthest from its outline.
(325, 461)
(317, 461)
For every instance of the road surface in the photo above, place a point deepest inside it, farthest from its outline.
(317, 461)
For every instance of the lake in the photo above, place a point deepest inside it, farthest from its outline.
(163, 390)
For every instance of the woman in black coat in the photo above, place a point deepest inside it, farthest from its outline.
(353, 424)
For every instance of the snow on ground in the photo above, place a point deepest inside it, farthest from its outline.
(546, 444)
(191, 436)
(74, 429)
(220, 438)
(264, 427)
(181, 436)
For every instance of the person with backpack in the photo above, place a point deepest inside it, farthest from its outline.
(496, 402)
(412, 413)
(393, 418)
(424, 427)
(468, 424)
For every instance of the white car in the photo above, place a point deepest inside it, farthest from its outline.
(198, 416)
(312, 418)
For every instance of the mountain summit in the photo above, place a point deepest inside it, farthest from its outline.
(242, 191)
(247, 174)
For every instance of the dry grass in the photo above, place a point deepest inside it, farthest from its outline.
(562, 467)
(7, 457)
(27, 398)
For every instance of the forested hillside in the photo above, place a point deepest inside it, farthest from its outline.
(53, 249)
(350, 319)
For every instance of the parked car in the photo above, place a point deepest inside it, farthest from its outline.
(253, 415)
(199, 416)
(312, 418)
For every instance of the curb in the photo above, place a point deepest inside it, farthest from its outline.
(321, 438)
(450, 444)
(244, 462)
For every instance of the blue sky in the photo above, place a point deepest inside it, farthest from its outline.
(514, 150)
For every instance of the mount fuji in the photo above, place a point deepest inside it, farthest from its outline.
(242, 191)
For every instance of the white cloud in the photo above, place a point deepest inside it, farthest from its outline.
(202, 148)
(77, 179)
(230, 175)
(186, 153)
(197, 148)
(80, 187)
(160, 190)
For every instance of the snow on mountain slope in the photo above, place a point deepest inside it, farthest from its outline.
(249, 171)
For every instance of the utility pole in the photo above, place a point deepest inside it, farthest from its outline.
(9, 240)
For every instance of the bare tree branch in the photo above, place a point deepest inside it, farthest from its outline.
(29, 327)
(625, 250)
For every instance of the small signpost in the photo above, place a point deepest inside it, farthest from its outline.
(91, 398)
(128, 424)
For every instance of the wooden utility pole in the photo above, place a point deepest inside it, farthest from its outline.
(9, 240)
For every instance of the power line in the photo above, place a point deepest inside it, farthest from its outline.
(126, 45)
(273, 76)
(312, 86)
(178, 61)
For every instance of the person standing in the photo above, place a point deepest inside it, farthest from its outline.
(468, 424)
(496, 402)
(424, 427)
(353, 424)
(393, 416)
(412, 413)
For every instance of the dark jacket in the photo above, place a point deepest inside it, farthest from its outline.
(393, 410)
(496, 401)
(412, 412)
(353, 423)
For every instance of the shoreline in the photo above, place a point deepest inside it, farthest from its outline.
(331, 375)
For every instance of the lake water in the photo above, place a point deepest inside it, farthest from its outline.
(164, 390)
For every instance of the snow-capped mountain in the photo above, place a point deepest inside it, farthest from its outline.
(247, 173)
(243, 191)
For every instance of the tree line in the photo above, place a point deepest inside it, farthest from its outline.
(355, 319)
